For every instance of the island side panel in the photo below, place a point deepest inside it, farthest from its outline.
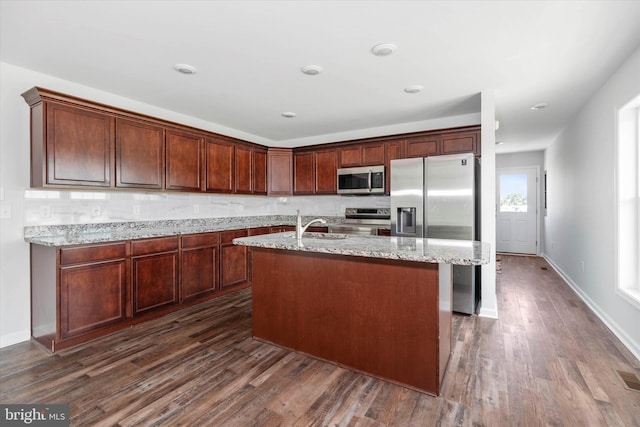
(377, 316)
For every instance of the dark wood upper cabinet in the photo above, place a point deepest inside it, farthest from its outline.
(326, 171)
(80, 143)
(350, 156)
(393, 150)
(363, 154)
(373, 154)
(184, 163)
(219, 155)
(77, 150)
(139, 155)
(463, 142)
(303, 173)
(279, 171)
(259, 178)
(423, 146)
(243, 169)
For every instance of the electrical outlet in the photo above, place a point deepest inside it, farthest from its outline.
(196, 208)
(45, 211)
(95, 210)
(5, 212)
(582, 266)
(136, 210)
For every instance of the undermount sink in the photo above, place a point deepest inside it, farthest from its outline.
(324, 236)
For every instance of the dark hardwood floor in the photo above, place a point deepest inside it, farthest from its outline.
(547, 361)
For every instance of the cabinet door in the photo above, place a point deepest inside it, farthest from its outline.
(282, 229)
(373, 154)
(199, 265)
(326, 172)
(154, 273)
(423, 146)
(219, 167)
(243, 169)
(259, 230)
(234, 262)
(139, 155)
(259, 178)
(279, 171)
(303, 171)
(78, 147)
(184, 161)
(392, 150)
(350, 156)
(92, 296)
(464, 142)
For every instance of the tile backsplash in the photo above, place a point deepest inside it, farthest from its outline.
(54, 207)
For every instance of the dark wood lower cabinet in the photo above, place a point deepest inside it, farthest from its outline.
(234, 260)
(199, 265)
(77, 293)
(82, 292)
(91, 296)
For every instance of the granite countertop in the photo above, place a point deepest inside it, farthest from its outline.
(459, 252)
(79, 234)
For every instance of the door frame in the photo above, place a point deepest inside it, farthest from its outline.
(538, 199)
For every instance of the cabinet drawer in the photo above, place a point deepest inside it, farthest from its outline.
(93, 253)
(148, 246)
(228, 236)
(200, 240)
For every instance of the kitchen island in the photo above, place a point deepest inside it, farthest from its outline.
(378, 305)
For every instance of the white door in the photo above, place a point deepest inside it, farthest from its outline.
(517, 197)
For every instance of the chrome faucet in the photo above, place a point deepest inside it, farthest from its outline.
(300, 229)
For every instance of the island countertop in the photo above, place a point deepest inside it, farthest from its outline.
(458, 252)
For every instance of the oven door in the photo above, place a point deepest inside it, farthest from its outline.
(360, 230)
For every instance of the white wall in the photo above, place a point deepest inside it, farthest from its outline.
(25, 207)
(489, 300)
(523, 160)
(580, 222)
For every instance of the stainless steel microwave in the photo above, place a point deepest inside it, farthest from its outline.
(361, 180)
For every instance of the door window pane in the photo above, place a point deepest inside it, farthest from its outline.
(513, 193)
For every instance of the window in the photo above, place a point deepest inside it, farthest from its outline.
(513, 193)
(628, 200)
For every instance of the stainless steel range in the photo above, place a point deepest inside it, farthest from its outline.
(363, 221)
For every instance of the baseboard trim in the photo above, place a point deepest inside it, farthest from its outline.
(14, 338)
(627, 341)
(491, 313)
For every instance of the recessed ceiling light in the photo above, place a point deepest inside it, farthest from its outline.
(289, 114)
(185, 69)
(311, 70)
(383, 49)
(539, 106)
(414, 89)
(499, 142)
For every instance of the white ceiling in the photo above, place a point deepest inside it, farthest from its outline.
(249, 54)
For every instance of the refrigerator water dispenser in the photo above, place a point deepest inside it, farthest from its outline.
(406, 223)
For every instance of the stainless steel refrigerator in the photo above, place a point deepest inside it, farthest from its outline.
(438, 197)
